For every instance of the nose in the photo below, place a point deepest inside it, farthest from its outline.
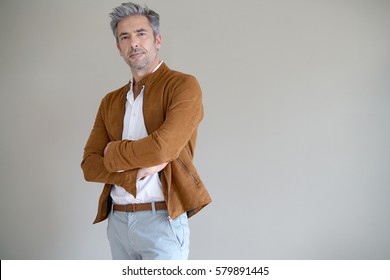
(134, 42)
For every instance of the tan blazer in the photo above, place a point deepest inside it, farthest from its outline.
(172, 110)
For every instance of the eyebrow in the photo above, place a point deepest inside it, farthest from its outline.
(123, 33)
(140, 30)
(136, 31)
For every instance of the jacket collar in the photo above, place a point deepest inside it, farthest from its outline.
(152, 76)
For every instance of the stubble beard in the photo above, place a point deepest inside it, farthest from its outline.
(143, 63)
(139, 65)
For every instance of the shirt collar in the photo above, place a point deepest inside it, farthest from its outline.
(158, 66)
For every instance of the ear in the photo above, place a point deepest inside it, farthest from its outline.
(158, 40)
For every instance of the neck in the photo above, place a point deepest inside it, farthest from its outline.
(138, 75)
(136, 90)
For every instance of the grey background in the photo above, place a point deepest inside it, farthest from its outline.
(294, 147)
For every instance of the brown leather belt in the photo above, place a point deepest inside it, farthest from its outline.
(140, 207)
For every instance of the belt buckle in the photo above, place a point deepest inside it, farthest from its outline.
(132, 207)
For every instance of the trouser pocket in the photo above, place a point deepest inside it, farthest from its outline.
(180, 229)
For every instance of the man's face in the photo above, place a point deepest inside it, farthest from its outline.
(136, 43)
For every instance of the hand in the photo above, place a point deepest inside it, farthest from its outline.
(106, 148)
(147, 171)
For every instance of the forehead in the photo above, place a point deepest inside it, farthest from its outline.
(133, 23)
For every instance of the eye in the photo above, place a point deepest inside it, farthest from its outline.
(124, 37)
(142, 34)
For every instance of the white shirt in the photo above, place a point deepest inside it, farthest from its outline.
(148, 189)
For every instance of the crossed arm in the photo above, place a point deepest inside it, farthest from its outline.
(145, 171)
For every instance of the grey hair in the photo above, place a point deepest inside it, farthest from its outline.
(130, 9)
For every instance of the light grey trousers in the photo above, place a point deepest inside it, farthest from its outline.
(148, 235)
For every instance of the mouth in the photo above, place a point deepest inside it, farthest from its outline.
(135, 54)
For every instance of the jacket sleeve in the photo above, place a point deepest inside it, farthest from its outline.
(93, 160)
(184, 112)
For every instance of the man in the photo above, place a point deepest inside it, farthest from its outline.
(142, 145)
